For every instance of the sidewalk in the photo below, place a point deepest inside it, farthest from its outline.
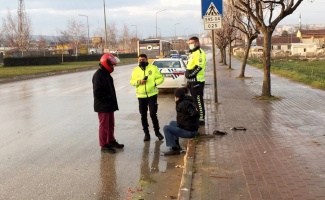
(281, 155)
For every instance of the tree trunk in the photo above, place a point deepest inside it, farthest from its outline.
(243, 65)
(229, 66)
(266, 89)
(221, 56)
(224, 56)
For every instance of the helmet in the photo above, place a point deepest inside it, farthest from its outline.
(109, 61)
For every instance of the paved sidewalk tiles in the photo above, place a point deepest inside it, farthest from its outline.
(281, 155)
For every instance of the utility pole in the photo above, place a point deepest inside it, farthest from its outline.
(106, 41)
(156, 20)
(214, 68)
(175, 29)
(21, 20)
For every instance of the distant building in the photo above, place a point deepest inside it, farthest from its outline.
(280, 42)
(304, 49)
(312, 36)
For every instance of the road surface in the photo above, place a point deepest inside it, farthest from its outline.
(49, 146)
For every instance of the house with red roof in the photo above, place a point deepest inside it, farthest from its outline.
(312, 36)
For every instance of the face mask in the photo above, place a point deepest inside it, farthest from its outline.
(191, 46)
(143, 64)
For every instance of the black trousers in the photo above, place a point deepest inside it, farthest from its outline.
(197, 90)
(150, 102)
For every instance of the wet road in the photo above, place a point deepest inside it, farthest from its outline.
(49, 145)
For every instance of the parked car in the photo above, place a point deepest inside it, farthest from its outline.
(174, 54)
(184, 58)
(173, 70)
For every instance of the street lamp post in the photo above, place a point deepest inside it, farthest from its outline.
(106, 41)
(156, 20)
(88, 33)
(175, 28)
(159, 32)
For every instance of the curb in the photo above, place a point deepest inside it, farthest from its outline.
(184, 192)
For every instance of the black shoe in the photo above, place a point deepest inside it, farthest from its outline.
(108, 148)
(178, 145)
(173, 151)
(202, 122)
(116, 144)
(216, 132)
(159, 135)
(146, 135)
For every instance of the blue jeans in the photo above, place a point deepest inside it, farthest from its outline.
(172, 133)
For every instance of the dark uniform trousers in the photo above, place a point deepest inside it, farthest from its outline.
(150, 102)
(197, 90)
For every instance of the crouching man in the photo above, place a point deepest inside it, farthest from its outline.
(187, 123)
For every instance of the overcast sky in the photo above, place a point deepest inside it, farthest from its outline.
(182, 16)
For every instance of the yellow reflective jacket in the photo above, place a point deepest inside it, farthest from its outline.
(154, 78)
(196, 66)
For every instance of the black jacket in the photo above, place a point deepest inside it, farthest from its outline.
(187, 114)
(104, 91)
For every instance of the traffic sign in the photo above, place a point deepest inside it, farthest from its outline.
(206, 4)
(212, 22)
(212, 18)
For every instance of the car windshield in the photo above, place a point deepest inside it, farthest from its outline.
(184, 57)
(167, 64)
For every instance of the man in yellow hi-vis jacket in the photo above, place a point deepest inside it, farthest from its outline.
(145, 78)
(195, 74)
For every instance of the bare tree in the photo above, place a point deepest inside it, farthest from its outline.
(41, 44)
(112, 36)
(246, 26)
(230, 28)
(134, 42)
(61, 42)
(17, 35)
(112, 33)
(100, 33)
(320, 41)
(125, 39)
(266, 15)
(1, 37)
(221, 41)
(75, 31)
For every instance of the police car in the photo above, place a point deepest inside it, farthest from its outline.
(173, 69)
(174, 54)
(185, 59)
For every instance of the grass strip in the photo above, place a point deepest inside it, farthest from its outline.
(10, 72)
(309, 72)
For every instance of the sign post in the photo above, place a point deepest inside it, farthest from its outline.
(212, 18)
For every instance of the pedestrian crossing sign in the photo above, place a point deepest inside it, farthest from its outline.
(211, 7)
(212, 10)
(212, 18)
